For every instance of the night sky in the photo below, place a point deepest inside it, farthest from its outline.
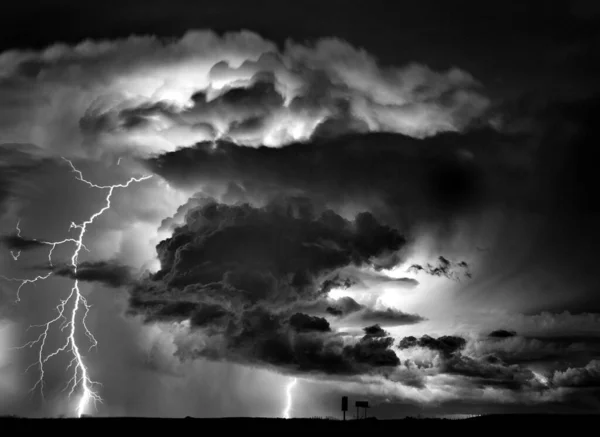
(239, 208)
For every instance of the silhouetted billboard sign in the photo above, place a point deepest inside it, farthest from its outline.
(344, 403)
(362, 404)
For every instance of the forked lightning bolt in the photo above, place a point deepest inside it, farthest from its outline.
(288, 393)
(77, 302)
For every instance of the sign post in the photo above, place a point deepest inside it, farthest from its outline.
(344, 405)
(364, 405)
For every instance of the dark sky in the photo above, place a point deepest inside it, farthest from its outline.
(488, 40)
(395, 201)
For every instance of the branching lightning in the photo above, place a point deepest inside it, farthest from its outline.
(76, 302)
(289, 400)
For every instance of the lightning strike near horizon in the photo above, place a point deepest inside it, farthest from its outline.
(289, 400)
(77, 303)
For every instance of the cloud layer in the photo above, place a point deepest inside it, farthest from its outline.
(144, 95)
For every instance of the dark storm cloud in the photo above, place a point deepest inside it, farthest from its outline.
(241, 245)
(341, 307)
(242, 274)
(508, 362)
(447, 344)
(374, 349)
(489, 371)
(408, 181)
(485, 369)
(375, 331)
(249, 91)
(302, 322)
(347, 310)
(445, 268)
(261, 337)
(502, 333)
(336, 165)
(15, 242)
(435, 180)
(386, 317)
(546, 352)
(106, 272)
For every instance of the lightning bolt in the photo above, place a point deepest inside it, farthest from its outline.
(52, 245)
(540, 378)
(288, 393)
(76, 302)
(18, 254)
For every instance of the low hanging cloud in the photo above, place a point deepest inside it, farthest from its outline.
(108, 273)
(447, 344)
(347, 311)
(452, 358)
(16, 242)
(445, 268)
(502, 333)
(509, 362)
(539, 351)
(142, 94)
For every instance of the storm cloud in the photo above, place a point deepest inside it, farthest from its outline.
(206, 86)
(375, 216)
(447, 344)
(237, 273)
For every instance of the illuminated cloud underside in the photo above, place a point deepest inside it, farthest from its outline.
(142, 95)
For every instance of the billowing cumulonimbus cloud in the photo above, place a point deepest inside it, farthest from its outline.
(145, 94)
(240, 276)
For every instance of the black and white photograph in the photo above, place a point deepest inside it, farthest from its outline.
(299, 216)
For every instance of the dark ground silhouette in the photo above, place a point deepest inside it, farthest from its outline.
(518, 423)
